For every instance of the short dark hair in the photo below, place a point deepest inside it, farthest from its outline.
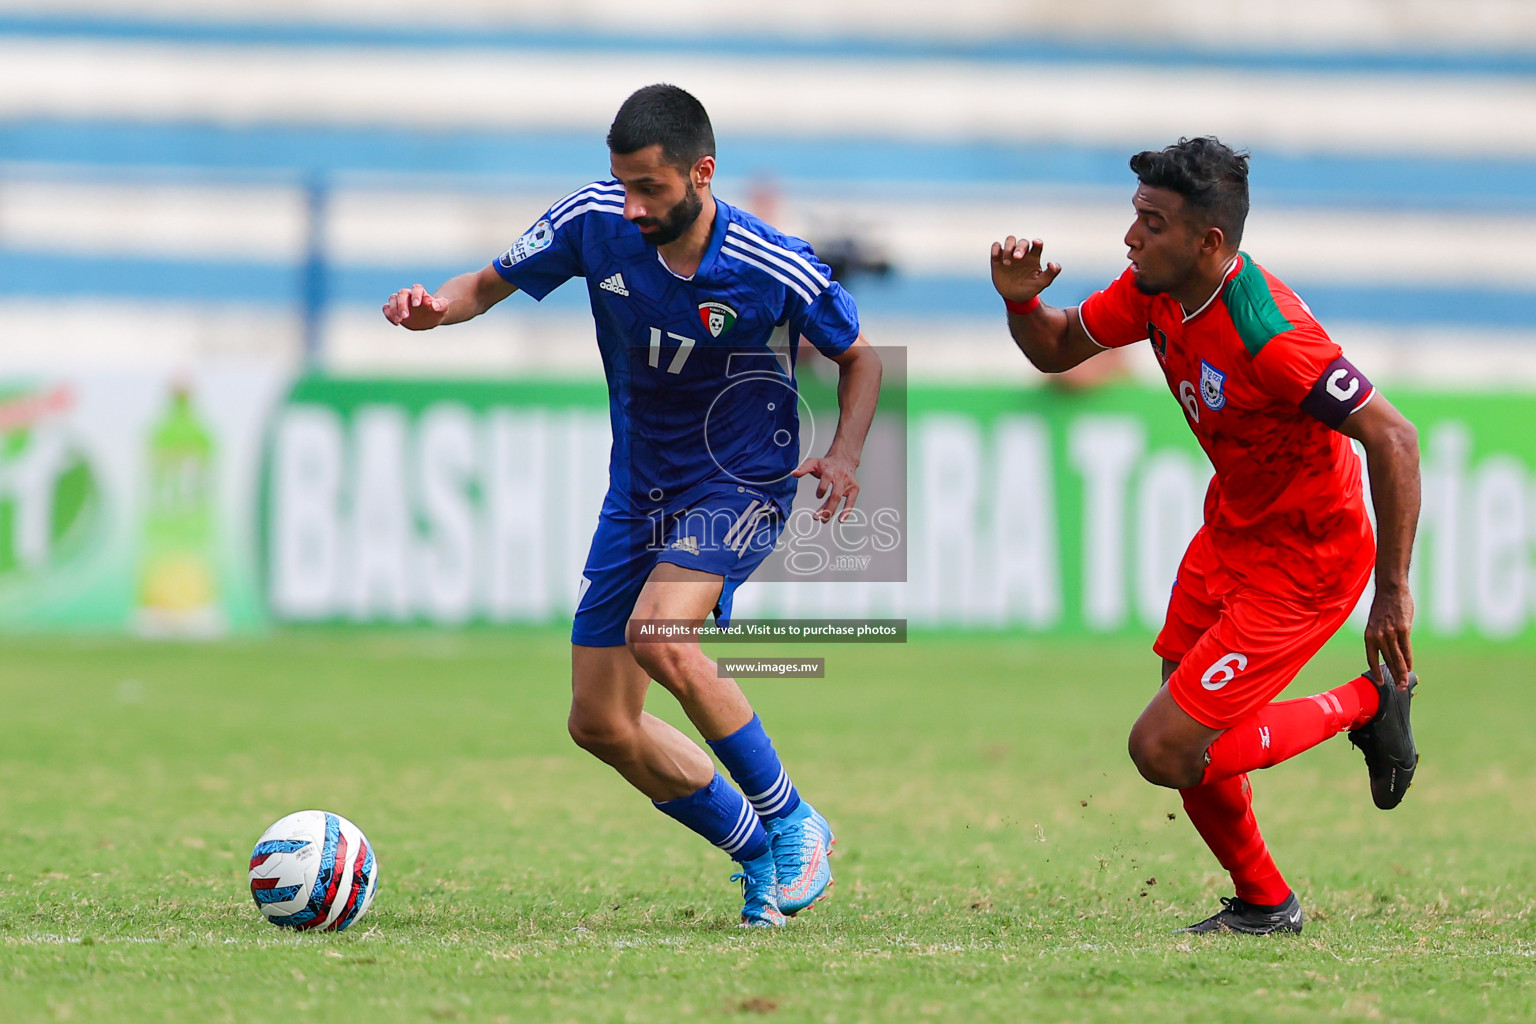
(664, 115)
(1211, 176)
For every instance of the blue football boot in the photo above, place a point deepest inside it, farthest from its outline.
(759, 885)
(802, 841)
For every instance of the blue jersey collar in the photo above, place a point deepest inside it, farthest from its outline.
(723, 212)
(711, 251)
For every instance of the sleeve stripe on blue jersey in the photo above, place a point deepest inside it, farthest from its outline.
(596, 190)
(816, 277)
(570, 197)
(765, 268)
(576, 211)
(788, 267)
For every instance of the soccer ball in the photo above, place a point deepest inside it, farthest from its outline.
(313, 869)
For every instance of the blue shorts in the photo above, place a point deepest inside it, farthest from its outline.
(727, 531)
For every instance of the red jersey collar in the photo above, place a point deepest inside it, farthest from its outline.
(1233, 269)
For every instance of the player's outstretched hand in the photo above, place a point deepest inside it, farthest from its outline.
(838, 480)
(1387, 633)
(1016, 271)
(415, 309)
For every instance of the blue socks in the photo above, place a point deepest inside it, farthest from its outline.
(749, 756)
(718, 813)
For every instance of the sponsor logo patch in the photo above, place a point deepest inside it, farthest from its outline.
(536, 239)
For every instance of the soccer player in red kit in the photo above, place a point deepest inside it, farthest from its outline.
(1286, 548)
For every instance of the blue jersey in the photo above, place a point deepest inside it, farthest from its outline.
(698, 395)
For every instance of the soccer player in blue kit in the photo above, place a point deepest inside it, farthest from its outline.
(686, 292)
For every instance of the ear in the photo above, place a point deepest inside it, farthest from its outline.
(1213, 241)
(702, 172)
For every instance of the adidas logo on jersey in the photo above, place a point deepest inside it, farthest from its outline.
(615, 284)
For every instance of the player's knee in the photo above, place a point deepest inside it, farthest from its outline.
(1162, 763)
(666, 663)
(602, 736)
(683, 669)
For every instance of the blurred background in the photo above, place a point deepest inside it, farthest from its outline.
(206, 424)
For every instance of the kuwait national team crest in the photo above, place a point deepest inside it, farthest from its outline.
(717, 317)
(1211, 380)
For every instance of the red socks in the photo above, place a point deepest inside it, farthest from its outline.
(1221, 807)
(1279, 731)
(1222, 812)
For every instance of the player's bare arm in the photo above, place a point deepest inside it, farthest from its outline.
(1392, 459)
(460, 298)
(858, 392)
(1052, 339)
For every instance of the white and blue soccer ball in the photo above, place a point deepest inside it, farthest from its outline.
(313, 870)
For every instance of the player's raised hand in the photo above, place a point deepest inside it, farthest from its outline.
(1016, 271)
(415, 309)
(1387, 633)
(838, 480)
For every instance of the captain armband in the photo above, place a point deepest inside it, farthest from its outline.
(1340, 390)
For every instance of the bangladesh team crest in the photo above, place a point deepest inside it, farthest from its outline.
(1211, 381)
(716, 317)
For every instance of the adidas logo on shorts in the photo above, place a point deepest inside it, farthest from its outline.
(615, 284)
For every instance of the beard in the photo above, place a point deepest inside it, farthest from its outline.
(1169, 279)
(670, 227)
(1174, 264)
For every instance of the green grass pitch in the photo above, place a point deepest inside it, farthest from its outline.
(998, 857)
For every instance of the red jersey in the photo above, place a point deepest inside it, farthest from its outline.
(1263, 387)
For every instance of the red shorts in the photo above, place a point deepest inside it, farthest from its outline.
(1239, 643)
